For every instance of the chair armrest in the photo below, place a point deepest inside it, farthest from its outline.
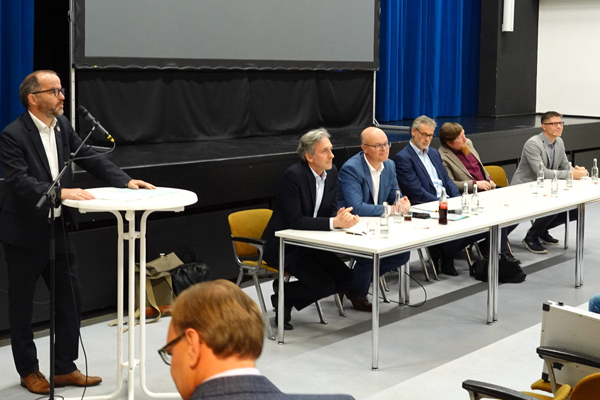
(258, 242)
(568, 356)
(484, 389)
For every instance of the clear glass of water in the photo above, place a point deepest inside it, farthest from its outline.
(534, 189)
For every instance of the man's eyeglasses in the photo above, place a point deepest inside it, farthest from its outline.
(379, 147)
(554, 124)
(165, 353)
(56, 91)
(424, 134)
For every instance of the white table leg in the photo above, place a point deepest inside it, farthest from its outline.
(579, 246)
(280, 305)
(375, 314)
(492, 303)
(142, 362)
(131, 361)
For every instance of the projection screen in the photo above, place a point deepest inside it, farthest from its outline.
(227, 34)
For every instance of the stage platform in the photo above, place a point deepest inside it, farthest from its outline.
(230, 175)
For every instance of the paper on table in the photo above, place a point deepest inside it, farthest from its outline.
(451, 217)
(131, 194)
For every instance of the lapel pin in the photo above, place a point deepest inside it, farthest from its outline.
(58, 128)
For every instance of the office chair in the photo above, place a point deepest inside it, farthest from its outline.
(246, 229)
(586, 389)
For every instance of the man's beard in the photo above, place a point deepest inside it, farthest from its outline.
(465, 150)
(52, 112)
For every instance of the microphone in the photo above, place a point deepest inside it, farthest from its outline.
(457, 212)
(85, 114)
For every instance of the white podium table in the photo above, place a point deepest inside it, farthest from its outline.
(129, 201)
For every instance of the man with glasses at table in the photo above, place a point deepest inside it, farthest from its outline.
(421, 176)
(366, 181)
(547, 148)
(33, 149)
(215, 336)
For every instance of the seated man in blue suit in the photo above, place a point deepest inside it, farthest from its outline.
(421, 176)
(215, 336)
(366, 181)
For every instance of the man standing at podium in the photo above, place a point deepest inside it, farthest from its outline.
(33, 150)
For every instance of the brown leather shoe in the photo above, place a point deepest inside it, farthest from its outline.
(76, 378)
(36, 383)
(360, 303)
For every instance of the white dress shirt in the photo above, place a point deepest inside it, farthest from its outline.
(375, 179)
(48, 137)
(320, 180)
(433, 175)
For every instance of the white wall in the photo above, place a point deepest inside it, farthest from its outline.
(568, 79)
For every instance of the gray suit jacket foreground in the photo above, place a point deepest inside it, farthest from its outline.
(252, 387)
(457, 170)
(534, 152)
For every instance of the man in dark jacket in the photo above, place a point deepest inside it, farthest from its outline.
(307, 200)
(33, 149)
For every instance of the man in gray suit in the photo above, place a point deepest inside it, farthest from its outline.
(547, 148)
(215, 336)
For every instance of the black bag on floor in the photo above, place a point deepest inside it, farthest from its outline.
(187, 275)
(509, 271)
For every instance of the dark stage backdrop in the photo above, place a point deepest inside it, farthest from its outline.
(177, 106)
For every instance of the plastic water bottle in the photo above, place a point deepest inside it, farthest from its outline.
(540, 177)
(595, 172)
(384, 222)
(398, 208)
(443, 208)
(554, 186)
(475, 201)
(465, 201)
(570, 176)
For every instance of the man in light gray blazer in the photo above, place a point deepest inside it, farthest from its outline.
(215, 336)
(547, 148)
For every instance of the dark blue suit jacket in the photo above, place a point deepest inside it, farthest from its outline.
(252, 387)
(414, 180)
(356, 186)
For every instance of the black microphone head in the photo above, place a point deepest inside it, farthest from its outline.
(85, 114)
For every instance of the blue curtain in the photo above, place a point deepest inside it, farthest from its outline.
(429, 58)
(16, 55)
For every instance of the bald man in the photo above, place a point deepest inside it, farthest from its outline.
(366, 181)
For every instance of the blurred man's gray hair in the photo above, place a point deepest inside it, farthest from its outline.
(309, 140)
(423, 120)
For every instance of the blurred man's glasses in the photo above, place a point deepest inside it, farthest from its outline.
(424, 134)
(379, 147)
(56, 91)
(165, 353)
(554, 124)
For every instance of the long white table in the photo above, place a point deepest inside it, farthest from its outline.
(501, 207)
(115, 201)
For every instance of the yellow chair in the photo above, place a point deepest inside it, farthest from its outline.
(246, 229)
(587, 388)
(497, 174)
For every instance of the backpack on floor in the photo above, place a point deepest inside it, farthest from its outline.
(509, 271)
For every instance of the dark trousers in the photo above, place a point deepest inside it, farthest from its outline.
(363, 271)
(25, 266)
(543, 224)
(319, 273)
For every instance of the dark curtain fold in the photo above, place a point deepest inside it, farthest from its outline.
(16, 55)
(429, 58)
(180, 106)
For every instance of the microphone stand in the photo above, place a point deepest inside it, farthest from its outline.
(50, 198)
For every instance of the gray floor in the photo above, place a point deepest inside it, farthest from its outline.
(425, 352)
